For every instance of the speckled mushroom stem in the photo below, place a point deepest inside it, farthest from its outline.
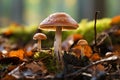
(39, 46)
(57, 43)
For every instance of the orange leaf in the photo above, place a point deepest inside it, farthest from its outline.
(87, 50)
(115, 20)
(8, 32)
(29, 54)
(98, 67)
(77, 50)
(77, 37)
(17, 53)
(95, 57)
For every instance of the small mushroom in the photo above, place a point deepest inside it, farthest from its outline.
(82, 43)
(58, 22)
(70, 41)
(39, 37)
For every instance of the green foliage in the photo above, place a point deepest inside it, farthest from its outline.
(86, 28)
(50, 39)
(48, 59)
(21, 34)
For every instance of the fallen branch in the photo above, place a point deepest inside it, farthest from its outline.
(15, 70)
(78, 72)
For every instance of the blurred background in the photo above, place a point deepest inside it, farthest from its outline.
(31, 12)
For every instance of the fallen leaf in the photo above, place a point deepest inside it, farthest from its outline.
(9, 77)
(77, 37)
(37, 66)
(87, 50)
(98, 67)
(95, 57)
(17, 53)
(11, 67)
(29, 54)
(8, 32)
(115, 20)
(1, 55)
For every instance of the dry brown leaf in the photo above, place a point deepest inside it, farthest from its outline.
(37, 66)
(9, 77)
(117, 33)
(1, 55)
(10, 68)
(98, 67)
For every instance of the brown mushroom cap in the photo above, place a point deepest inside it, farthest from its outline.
(82, 42)
(40, 36)
(58, 19)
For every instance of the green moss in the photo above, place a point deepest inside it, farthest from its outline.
(48, 59)
(86, 28)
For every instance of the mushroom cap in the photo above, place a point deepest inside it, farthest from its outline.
(39, 36)
(58, 19)
(82, 42)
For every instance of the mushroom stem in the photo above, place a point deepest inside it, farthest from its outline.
(82, 52)
(57, 43)
(39, 45)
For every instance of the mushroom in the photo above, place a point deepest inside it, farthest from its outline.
(82, 43)
(58, 22)
(39, 37)
(70, 41)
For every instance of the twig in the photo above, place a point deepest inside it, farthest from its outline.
(95, 33)
(14, 70)
(95, 27)
(78, 72)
